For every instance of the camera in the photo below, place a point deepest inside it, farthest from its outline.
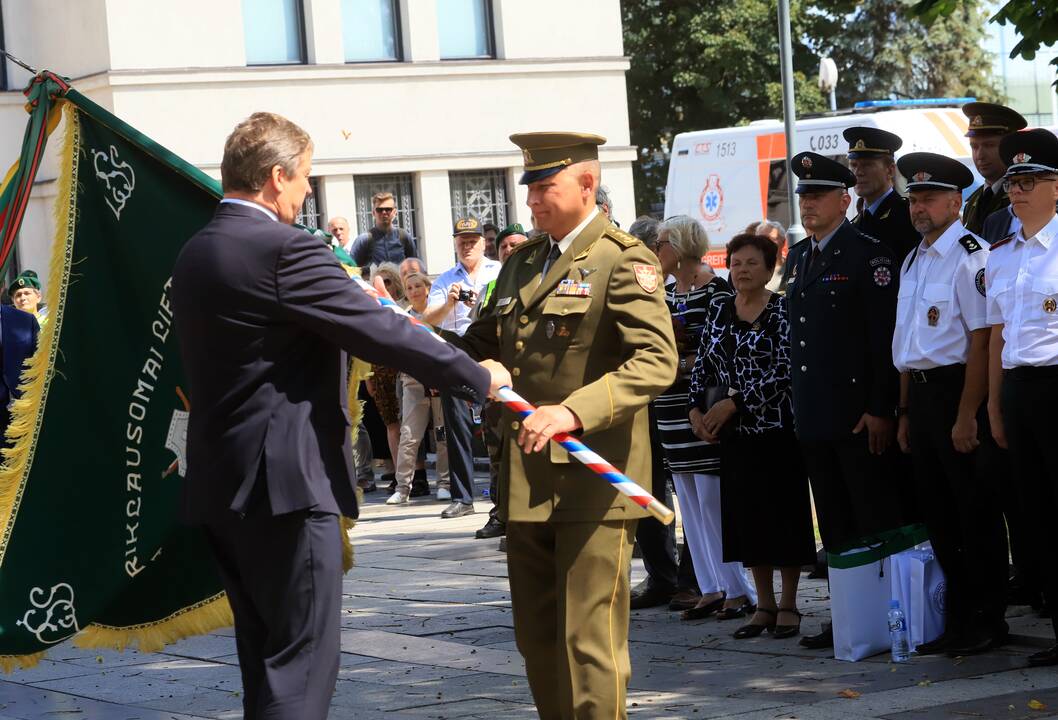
(466, 295)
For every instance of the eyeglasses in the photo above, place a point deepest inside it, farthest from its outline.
(1025, 184)
(386, 210)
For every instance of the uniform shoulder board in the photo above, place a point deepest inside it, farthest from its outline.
(532, 242)
(871, 238)
(1004, 241)
(969, 243)
(622, 238)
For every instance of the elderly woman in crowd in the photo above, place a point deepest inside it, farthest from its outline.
(695, 462)
(382, 384)
(416, 409)
(767, 519)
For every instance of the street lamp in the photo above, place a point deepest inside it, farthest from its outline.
(828, 80)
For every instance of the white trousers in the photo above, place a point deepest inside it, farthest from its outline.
(699, 497)
(414, 417)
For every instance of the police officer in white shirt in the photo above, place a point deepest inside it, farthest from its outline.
(1022, 282)
(940, 347)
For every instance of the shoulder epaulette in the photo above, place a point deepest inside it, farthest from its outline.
(1004, 241)
(620, 237)
(531, 242)
(969, 243)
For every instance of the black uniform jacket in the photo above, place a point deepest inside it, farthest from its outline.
(892, 225)
(842, 315)
(264, 315)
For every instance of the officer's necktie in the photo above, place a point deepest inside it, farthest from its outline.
(552, 256)
(986, 196)
(815, 256)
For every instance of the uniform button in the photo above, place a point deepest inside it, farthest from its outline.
(515, 425)
(804, 368)
(518, 345)
(524, 319)
(802, 318)
(802, 343)
(516, 372)
(802, 294)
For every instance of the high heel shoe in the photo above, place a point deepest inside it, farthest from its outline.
(752, 630)
(731, 613)
(787, 631)
(703, 611)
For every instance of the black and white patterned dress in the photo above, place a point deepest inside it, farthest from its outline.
(765, 511)
(684, 451)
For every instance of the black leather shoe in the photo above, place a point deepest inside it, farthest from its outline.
(647, 595)
(457, 509)
(699, 612)
(824, 639)
(938, 645)
(492, 529)
(1044, 658)
(976, 643)
(752, 630)
(419, 489)
(781, 632)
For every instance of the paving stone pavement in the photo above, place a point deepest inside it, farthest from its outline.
(427, 633)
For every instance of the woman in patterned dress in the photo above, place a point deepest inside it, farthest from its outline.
(693, 462)
(767, 517)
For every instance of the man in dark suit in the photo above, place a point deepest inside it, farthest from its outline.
(264, 315)
(842, 302)
(18, 339)
(881, 212)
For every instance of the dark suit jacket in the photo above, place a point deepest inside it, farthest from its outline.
(263, 313)
(892, 225)
(19, 340)
(997, 225)
(842, 316)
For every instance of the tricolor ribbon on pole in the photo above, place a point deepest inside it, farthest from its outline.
(516, 403)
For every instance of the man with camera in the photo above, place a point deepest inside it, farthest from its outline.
(452, 297)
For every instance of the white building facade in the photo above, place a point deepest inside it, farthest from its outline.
(417, 97)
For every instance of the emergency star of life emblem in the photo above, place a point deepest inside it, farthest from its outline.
(711, 201)
(882, 277)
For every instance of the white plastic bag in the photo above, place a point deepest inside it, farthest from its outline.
(859, 609)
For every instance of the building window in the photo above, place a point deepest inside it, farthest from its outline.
(371, 30)
(481, 194)
(311, 215)
(275, 32)
(464, 29)
(402, 188)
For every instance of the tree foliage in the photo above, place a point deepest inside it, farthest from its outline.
(700, 64)
(1036, 21)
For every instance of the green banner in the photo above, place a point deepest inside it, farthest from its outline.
(89, 492)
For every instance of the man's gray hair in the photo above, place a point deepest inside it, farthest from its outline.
(764, 226)
(687, 236)
(602, 197)
(258, 144)
(646, 229)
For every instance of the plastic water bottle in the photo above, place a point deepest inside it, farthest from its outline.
(901, 650)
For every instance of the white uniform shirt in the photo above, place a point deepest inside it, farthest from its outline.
(1022, 283)
(458, 319)
(941, 301)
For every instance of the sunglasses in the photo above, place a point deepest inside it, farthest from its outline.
(386, 210)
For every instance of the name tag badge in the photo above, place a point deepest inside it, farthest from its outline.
(504, 302)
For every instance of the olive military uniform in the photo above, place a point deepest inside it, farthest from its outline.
(988, 119)
(593, 334)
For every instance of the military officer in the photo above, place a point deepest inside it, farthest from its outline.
(940, 348)
(581, 322)
(988, 123)
(881, 211)
(842, 301)
(1022, 285)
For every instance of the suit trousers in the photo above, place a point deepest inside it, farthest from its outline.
(699, 496)
(414, 420)
(459, 434)
(961, 506)
(1029, 397)
(283, 576)
(657, 542)
(570, 596)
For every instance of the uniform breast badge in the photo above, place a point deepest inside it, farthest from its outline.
(1050, 305)
(882, 276)
(933, 316)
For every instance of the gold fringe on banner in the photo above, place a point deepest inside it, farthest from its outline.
(199, 619)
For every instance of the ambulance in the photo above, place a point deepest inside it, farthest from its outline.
(731, 177)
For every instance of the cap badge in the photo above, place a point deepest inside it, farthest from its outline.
(921, 176)
(21, 282)
(860, 145)
(527, 157)
(806, 161)
(467, 224)
(1021, 158)
(976, 121)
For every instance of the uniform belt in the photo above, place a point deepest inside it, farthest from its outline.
(938, 374)
(1030, 372)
